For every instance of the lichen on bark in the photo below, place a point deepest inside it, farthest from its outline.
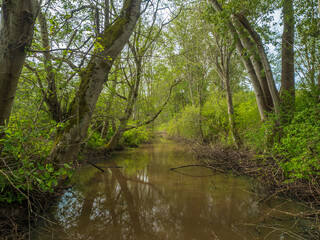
(92, 78)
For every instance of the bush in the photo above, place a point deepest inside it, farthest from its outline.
(24, 167)
(136, 136)
(185, 124)
(95, 140)
(299, 148)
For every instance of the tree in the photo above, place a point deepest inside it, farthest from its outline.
(138, 48)
(224, 54)
(287, 91)
(237, 20)
(16, 33)
(108, 47)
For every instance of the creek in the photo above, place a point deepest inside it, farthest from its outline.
(138, 197)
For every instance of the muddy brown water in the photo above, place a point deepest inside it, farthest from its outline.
(138, 197)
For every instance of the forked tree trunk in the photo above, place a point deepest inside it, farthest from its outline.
(265, 62)
(223, 65)
(133, 95)
(16, 33)
(50, 96)
(93, 76)
(257, 64)
(262, 105)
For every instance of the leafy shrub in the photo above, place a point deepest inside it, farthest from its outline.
(136, 136)
(23, 166)
(215, 123)
(95, 140)
(215, 119)
(185, 125)
(299, 148)
(247, 118)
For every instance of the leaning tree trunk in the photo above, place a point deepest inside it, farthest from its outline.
(16, 33)
(256, 62)
(287, 63)
(262, 105)
(93, 76)
(133, 95)
(265, 62)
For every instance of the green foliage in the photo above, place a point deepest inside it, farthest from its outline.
(215, 119)
(23, 166)
(95, 140)
(215, 123)
(185, 124)
(248, 123)
(136, 136)
(299, 148)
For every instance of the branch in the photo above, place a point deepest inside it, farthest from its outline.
(160, 110)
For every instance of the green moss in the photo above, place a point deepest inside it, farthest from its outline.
(113, 32)
(79, 106)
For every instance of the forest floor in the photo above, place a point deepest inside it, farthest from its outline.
(267, 172)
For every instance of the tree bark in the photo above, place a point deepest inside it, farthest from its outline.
(50, 96)
(16, 33)
(287, 92)
(257, 64)
(132, 98)
(265, 62)
(223, 65)
(93, 76)
(262, 106)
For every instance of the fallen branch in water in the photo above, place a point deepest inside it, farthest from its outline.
(198, 165)
(97, 167)
(100, 167)
(190, 175)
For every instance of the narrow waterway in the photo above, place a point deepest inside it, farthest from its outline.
(138, 197)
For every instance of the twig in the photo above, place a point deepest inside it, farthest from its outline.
(92, 164)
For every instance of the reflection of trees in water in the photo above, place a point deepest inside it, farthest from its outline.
(142, 206)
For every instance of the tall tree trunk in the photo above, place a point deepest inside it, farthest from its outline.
(50, 96)
(93, 76)
(233, 130)
(16, 33)
(223, 65)
(257, 64)
(265, 62)
(287, 63)
(262, 105)
(114, 141)
(106, 13)
(109, 103)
